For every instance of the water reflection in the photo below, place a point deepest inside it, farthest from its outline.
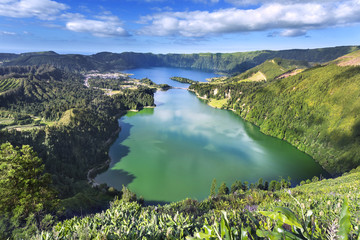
(175, 150)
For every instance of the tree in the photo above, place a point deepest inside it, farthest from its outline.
(315, 179)
(272, 185)
(25, 192)
(236, 186)
(245, 186)
(266, 186)
(283, 183)
(288, 181)
(223, 189)
(213, 188)
(127, 195)
(260, 184)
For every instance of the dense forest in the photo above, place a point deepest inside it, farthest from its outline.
(73, 117)
(55, 134)
(183, 80)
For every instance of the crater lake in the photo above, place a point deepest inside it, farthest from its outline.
(175, 150)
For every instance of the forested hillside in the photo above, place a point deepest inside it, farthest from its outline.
(7, 57)
(68, 125)
(228, 63)
(315, 110)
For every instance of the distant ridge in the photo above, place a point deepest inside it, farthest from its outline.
(228, 63)
(351, 59)
(45, 53)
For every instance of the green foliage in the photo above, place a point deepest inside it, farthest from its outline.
(305, 228)
(124, 220)
(313, 211)
(271, 69)
(213, 188)
(236, 186)
(223, 189)
(345, 224)
(127, 195)
(183, 80)
(108, 83)
(25, 192)
(88, 118)
(217, 231)
(151, 84)
(8, 84)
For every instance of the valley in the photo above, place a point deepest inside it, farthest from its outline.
(66, 108)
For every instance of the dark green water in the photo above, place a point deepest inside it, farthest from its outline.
(175, 150)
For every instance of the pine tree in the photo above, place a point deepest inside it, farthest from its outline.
(25, 192)
(223, 189)
(213, 188)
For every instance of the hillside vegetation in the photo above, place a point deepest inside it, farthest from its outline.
(269, 70)
(8, 84)
(316, 110)
(70, 126)
(326, 209)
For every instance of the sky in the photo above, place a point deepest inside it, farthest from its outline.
(176, 26)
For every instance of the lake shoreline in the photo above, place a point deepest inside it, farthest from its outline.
(172, 144)
(208, 100)
(102, 167)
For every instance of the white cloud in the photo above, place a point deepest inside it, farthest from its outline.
(257, 2)
(42, 9)
(293, 33)
(206, 1)
(7, 33)
(102, 26)
(294, 19)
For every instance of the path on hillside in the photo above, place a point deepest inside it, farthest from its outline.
(263, 76)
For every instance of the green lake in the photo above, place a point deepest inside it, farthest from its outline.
(175, 150)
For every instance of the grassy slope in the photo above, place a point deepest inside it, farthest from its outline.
(315, 110)
(351, 59)
(125, 220)
(269, 70)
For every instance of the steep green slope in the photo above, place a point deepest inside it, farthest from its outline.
(4, 57)
(48, 94)
(73, 62)
(269, 70)
(316, 110)
(8, 84)
(351, 59)
(313, 210)
(242, 61)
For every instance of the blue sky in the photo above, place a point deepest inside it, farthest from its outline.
(176, 26)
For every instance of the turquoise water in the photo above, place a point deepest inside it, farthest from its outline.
(175, 150)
